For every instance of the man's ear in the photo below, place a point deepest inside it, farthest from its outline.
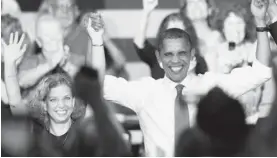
(159, 58)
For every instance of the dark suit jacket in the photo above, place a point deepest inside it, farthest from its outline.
(273, 31)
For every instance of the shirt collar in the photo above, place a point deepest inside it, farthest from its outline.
(172, 84)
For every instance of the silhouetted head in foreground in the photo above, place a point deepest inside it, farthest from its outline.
(221, 128)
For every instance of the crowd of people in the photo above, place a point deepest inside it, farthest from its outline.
(212, 75)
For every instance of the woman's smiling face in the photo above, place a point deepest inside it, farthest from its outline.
(60, 103)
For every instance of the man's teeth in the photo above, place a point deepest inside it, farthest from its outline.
(176, 69)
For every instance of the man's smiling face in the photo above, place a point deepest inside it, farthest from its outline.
(175, 56)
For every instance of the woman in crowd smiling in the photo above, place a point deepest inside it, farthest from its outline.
(202, 14)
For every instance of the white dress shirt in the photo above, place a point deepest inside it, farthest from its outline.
(153, 100)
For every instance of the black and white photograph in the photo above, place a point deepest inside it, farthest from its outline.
(138, 78)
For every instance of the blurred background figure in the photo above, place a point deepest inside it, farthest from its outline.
(10, 7)
(53, 54)
(202, 14)
(238, 49)
(11, 24)
(67, 13)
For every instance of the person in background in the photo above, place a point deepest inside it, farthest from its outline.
(54, 54)
(146, 50)
(202, 14)
(238, 50)
(74, 35)
(238, 29)
(10, 7)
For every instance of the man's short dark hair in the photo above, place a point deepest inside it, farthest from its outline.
(173, 33)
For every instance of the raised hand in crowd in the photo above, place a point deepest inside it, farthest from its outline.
(259, 9)
(94, 25)
(148, 7)
(13, 53)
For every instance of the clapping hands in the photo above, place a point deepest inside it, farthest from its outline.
(59, 58)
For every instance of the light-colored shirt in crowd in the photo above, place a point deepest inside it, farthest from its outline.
(153, 100)
(32, 61)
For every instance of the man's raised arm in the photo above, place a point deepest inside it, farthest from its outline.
(115, 89)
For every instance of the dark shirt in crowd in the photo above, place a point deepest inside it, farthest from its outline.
(147, 55)
(72, 143)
